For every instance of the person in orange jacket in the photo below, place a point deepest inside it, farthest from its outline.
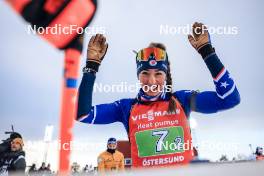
(111, 159)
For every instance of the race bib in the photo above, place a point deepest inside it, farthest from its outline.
(161, 141)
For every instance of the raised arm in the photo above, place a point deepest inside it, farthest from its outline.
(226, 94)
(100, 114)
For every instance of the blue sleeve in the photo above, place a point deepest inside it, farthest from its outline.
(100, 114)
(183, 96)
(85, 93)
(224, 97)
(103, 114)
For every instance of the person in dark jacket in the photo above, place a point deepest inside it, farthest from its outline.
(14, 160)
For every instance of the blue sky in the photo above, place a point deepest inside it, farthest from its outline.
(31, 69)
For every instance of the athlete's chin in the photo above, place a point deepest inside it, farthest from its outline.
(150, 93)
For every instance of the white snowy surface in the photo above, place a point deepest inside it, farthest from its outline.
(211, 169)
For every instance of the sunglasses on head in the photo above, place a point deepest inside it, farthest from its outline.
(157, 53)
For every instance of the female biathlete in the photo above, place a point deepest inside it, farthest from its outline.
(157, 121)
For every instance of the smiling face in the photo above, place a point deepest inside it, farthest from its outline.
(152, 81)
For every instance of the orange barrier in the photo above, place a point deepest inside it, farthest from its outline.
(75, 15)
(68, 106)
(69, 16)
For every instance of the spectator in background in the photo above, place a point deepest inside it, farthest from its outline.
(86, 169)
(14, 160)
(48, 167)
(32, 170)
(91, 169)
(42, 168)
(259, 153)
(75, 168)
(111, 159)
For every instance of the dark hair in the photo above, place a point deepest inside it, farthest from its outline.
(172, 102)
(14, 135)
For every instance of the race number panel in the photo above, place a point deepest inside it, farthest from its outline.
(161, 141)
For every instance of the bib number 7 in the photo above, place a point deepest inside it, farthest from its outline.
(162, 135)
(159, 141)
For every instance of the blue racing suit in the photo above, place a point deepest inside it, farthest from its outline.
(224, 97)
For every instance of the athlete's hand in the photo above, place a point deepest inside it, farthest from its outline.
(200, 36)
(97, 48)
